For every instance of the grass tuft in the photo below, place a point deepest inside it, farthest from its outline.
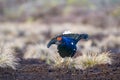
(7, 59)
(58, 62)
(88, 59)
(91, 59)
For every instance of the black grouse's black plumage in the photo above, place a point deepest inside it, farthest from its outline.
(67, 43)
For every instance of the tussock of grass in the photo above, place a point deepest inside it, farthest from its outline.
(37, 52)
(7, 59)
(59, 62)
(89, 59)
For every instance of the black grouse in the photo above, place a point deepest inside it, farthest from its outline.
(67, 43)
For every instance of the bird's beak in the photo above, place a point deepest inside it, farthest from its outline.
(53, 41)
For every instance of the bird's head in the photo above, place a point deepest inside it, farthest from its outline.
(57, 40)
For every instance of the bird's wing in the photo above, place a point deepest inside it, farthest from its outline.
(76, 37)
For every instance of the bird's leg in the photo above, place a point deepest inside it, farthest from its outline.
(63, 59)
(70, 59)
(67, 60)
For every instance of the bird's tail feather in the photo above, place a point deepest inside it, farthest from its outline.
(82, 36)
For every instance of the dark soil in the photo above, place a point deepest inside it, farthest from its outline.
(37, 70)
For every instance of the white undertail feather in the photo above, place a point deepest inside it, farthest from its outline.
(67, 32)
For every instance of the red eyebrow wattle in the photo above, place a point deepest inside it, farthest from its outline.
(59, 38)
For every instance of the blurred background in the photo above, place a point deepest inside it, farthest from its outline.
(27, 25)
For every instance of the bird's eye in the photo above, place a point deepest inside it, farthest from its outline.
(59, 38)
